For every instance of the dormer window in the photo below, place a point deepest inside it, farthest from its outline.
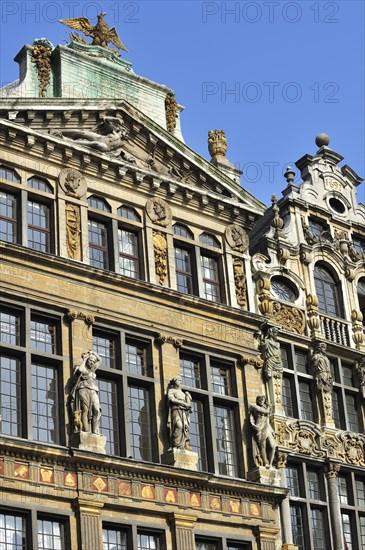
(317, 226)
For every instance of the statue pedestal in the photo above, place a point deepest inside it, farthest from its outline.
(266, 476)
(180, 458)
(87, 441)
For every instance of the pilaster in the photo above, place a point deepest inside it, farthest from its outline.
(90, 526)
(182, 528)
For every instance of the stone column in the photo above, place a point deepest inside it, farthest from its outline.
(286, 531)
(89, 524)
(332, 470)
(182, 529)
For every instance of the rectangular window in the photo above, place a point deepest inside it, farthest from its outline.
(306, 407)
(184, 274)
(114, 539)
(8, 222)
(45, 418)
(104, 345)
(136, 358)
(319, 538)
(148, 541)
(342, 489)
(39, 227)
(292, 481)
(347, 531)
(360, 493)
(109, 425)
(347, 376)
(190, 371)
(337, 417)
(9, 328)
(362, 531)
(225, 441)
(313, 485)
(98, 245)
(50, 535)
(13, 534)
(43, 335)
(221, 379)
(287, 397)
(296, 515)
(206, 545)
(301, 362)
(10, 396)
(140, 425)
(197, 434)
(352, 415)
(211, 278)
(128, 253)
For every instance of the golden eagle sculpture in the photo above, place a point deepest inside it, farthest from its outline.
(100, 33)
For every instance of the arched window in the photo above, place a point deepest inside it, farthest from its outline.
(182, 231)
(210, 240)
(9, 174)
(328, 291)
(283, 289)
(129, 213)
(99, 203)
(39, 184)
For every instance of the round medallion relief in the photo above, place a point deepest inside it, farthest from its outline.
(72, 182)
(159, 212)
(237, 238)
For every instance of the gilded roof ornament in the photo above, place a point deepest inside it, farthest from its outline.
(100, 33)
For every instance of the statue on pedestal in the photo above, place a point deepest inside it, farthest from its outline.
(271, 354)
(321, 367)
(84, 397)
(179, 403)
(263, 432)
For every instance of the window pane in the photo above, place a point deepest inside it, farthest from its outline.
(336, 409)
(8, 218)
(221, 380)
(100, 204)
(210, 279)
(136, 358)
(319, 539)
(104, 345)
(109, 425)
(129, 213)
(301, 362)
(209, 240)
(342, 489)
(316, 227)
(50, 535)
(9, 174)
(287, 397)
(297, 526)
(98, 245)
(190, 372)
(184, 276)
(347, 376)
(205, 545)
(140, 426)
(114, 539)
(13, 534)
(292, 481)
(43, 336)
(9, 328)
(197, 434)
(360, 493)
(327, 292)
(347, 531)
(352, 415)
(182, 231)
(306, 407)
(313, 485)
(38, 227)
(148, 541)
(45, 419)
(226, 444)
(128, 253)
(40, 184)
(362, 531)
(10, 396)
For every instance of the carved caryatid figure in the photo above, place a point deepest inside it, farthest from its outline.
(263, 432)
(271, 354)
(321, 367)
(179, 403)
(84, 397)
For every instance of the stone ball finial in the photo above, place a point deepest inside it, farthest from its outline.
(322, 139)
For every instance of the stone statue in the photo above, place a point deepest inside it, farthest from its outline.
(321, 367)
(361, 375)
(84, 396)
(179, 403)
(263, 432)
(271, 354)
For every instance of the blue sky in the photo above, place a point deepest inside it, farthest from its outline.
(273, 74)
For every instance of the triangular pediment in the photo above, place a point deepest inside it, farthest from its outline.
(120, 132)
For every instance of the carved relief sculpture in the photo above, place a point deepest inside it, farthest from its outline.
(73, 231)
(171, 111)
(160, 249)
(361, 375)
(263, 432)
(357, 328)
(72, 182)
(289, 317)
(159, 212)
(178, 422)
(264, 294)
(42, 49)
(270, 352)
(217, 144)
(313, 315)
(84, 404)
(240, 282)
(237, 238)
(321, 369)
